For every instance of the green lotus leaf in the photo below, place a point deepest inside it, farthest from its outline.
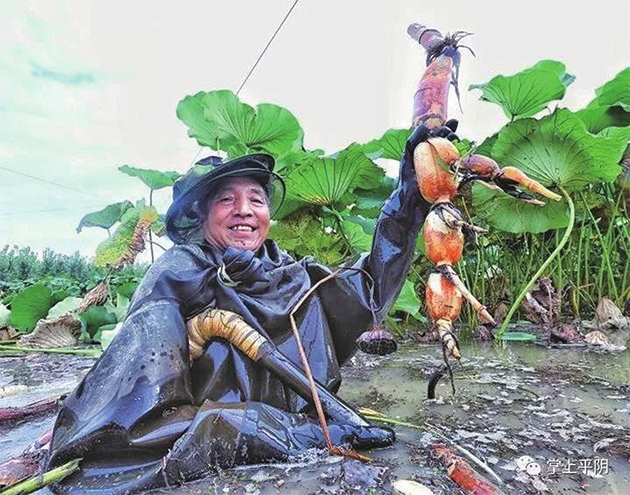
(408, 300)
(295, 230)
(128, 239)
(528, 92)
(390, 145)
(127, 289)
(369, 202)
(324, 181)
(120, 308)
(107, 334)
(95, 317)
(597, 119)
(464, 146)
(288, 207)
(356, 236)
(302, 235)
(218, 119)
(106, 217)
(367, 224)
(615, 92)
(154, 179)
(291, 159)
(616, 132)
(29, 306)
(503, 212)
(558, 150)
(64, 306)
(485, 148)
(190, 111)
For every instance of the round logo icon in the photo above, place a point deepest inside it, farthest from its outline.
(529, 465)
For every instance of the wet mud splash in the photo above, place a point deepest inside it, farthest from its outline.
(544, 420)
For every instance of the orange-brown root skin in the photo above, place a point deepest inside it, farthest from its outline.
(431, 97)
(480, 165)
(443, 244)
(435, 181)
(521, 178)
(443, 298)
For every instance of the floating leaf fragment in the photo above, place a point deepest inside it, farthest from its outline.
(519, 336)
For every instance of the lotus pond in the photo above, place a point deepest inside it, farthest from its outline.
(542, 419)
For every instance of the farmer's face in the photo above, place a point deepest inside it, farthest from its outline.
(238, 215)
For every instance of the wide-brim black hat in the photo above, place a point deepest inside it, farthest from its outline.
(185, 215)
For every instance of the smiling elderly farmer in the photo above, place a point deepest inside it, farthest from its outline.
(147, 414)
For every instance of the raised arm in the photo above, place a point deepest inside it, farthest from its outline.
(348, 299)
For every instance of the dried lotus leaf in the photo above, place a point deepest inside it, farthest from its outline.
(61, 332)
(95, 297)
(8, 333)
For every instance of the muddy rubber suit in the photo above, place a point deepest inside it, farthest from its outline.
(145, 417)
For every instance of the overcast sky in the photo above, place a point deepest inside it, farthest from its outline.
(87, 86)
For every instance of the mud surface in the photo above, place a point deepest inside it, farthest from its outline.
(553, 420)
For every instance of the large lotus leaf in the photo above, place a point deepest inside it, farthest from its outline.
(615, 92)
(528, 92)
(408, 300)
(390, 145)
(106, 217)
(558, 150)
(29, 306)
(190, 111)
(219, 120)
(128, 240)
(154, 179)
(600, 118)
(503, 212)
(324, 181)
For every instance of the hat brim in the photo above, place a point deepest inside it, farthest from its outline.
(183, 225)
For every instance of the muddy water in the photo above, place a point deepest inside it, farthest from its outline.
(568, 409)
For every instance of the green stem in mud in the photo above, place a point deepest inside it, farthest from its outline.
(543, 267)
(34, 483)
(78, 352)
(390, 421)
